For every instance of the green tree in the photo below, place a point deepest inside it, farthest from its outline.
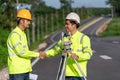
(66, 3)
(40, 8)
(115, 4)
(7, 13)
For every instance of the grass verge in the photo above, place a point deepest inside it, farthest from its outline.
(113, 28)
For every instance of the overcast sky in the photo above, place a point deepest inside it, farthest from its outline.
(79, 3)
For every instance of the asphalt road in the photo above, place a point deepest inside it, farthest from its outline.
(104, 64)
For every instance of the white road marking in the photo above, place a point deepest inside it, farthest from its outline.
(116, 42)
(90, 23)
(105, 57)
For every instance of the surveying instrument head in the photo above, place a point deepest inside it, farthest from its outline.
(67, 43)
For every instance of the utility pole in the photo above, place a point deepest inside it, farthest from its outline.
(112, 8)
(112, 11)
(17, 5)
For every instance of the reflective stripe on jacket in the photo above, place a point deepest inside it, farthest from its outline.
(82, 47)
(18, 53)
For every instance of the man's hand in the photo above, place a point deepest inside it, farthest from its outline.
(74, 56)
(42, 55)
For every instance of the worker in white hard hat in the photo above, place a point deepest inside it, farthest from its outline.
(81, 49)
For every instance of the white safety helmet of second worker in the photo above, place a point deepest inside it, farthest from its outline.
(73, 16)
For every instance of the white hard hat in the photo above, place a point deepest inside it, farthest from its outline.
(73, 16)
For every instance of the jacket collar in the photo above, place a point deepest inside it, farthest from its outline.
(19, 30)
(74, 35)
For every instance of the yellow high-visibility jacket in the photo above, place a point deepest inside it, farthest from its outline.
(81, 46)
(18, 53)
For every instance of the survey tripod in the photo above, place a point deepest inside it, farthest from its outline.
(63, 61)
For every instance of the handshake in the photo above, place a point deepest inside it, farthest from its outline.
(42, 55)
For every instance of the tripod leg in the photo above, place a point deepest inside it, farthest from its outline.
(61, 71)
(80, 69)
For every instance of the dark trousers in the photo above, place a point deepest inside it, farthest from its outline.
(74, 78)
(24, 76)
